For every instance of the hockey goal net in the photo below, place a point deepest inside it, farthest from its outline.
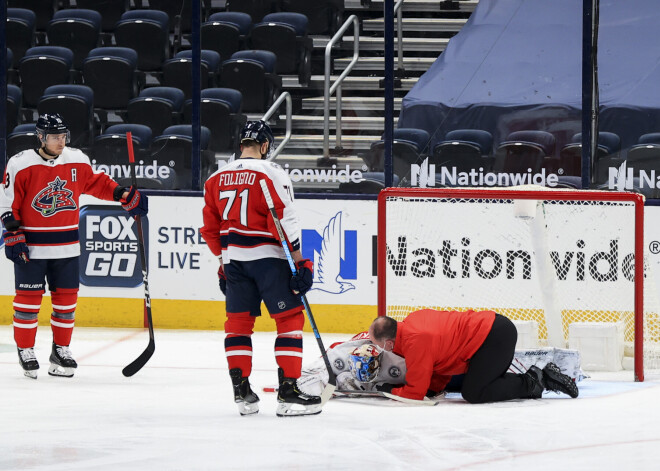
(551, 256)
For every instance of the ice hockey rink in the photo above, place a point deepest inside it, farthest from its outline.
(178, 414)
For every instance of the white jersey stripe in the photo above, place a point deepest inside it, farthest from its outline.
(293, 333)
(27, 306)
(32, 325)
(233, 353)
(242, 231)
(70, 306)
(61, 324)
(286, 353)
(50, 229)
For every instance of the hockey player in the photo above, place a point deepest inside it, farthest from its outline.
(240, 232)
(39, 208)
(439, 344)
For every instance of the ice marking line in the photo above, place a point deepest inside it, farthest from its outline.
(110, 345)
(513, 455)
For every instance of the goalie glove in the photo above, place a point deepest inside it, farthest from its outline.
(303, 280)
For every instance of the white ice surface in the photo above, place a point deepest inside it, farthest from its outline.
(178, 414)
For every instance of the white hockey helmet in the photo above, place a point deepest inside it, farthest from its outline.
(364, 362)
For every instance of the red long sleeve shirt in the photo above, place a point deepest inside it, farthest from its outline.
(438, 345)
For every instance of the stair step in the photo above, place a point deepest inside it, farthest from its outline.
(349, 83)
(368, 43)
(314, 142)
(416, 5)
(348, 123)
(429, 25)
(410, 64)
(350, 104)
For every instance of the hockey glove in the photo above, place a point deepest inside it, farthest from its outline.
(222, 280)
(135, 203)
(386, 387)
(303, 280)
(16, 249)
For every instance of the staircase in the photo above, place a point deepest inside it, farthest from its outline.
(427, 27)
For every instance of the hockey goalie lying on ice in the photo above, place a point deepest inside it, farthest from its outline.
(359, 366)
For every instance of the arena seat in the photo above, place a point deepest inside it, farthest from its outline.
(220, 111)
(226, 32)
(524, 150)
(43, 10)
(645, 155)
(41, 67)
(19, 35)
(110, 147)
(285, 35)
(464, 149)
(408, 147)
(156, 107)
(22, 137)
(174, 148)
(257, 9)
(14, 100)
(75, 103)
(177, 71)
(253, 73)
(325, 16)
(110, 10)
(111, 73)
(609, 145)
(78, 29)
(147, 33)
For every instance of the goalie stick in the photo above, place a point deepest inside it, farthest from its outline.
(414, 402)
(137, 364)
(332, 380)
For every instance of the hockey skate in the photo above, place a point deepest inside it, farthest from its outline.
(61, 362)
(292, 401)
(247, 400)
(28, 362)
(550, 378)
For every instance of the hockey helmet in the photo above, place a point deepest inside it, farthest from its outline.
(51, 124)
(364, 363)
(259, 132)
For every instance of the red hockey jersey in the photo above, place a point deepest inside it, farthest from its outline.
(44, 196)
(237, 222)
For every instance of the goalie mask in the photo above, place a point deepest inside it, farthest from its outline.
(364, 363)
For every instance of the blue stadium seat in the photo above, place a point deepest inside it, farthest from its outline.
(257, 9)
(111, 73)
(570, 156)
(75, 103)
(77, 29)
(110, 147)
(524, 150)
(19, 35)
(41, 67)
(156, 107)
(325, 16)
(177, 71)
(252, 73)
(43, 10)
(174, 148)
(220, 111)
(23, 137)
(226, 32)
(408, 147)
(14, 100)
(285, 34)
(464, 149)
(645, 155)
(146, 32)
(110, 10)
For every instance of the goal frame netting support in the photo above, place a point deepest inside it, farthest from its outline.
(535, 193)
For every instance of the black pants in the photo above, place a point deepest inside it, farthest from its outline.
(487, 379)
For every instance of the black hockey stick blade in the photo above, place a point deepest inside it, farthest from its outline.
(137, 364)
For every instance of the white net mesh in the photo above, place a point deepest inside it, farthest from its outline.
(552, 261)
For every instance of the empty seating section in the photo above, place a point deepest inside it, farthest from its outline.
(76, 29)
(75, 103)
(464, 149)
(146, 32)
(226, 32)
(157, 108)
(20, 31)
(253, 73)
(111, 73)
(177, 72)
(40, 67)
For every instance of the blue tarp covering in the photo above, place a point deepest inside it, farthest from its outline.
(517, 64)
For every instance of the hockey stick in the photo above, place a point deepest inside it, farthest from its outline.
(338, 394)
(142, 360)
(332, 379)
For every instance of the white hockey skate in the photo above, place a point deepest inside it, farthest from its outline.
(28, 362)
(62, 362)
(293, 402)
(246, 400)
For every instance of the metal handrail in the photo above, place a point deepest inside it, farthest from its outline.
(399, 32)
(289, 112)
(336, 86)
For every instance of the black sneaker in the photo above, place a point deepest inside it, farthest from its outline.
(292, 401)
(247, 400)
(536, 385)
(28, 362)
(557, 381)
(62, 362)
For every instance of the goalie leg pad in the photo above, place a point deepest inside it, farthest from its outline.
(238, 341)
(289, 344)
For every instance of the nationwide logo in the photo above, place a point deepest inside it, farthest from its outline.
(627, 178)
(142, 170)
(55, 197)
(425, 175)
(334, 254)
(451, 261)
(109, 254)
(324, 175)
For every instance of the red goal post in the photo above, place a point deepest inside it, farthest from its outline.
(530, 253)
